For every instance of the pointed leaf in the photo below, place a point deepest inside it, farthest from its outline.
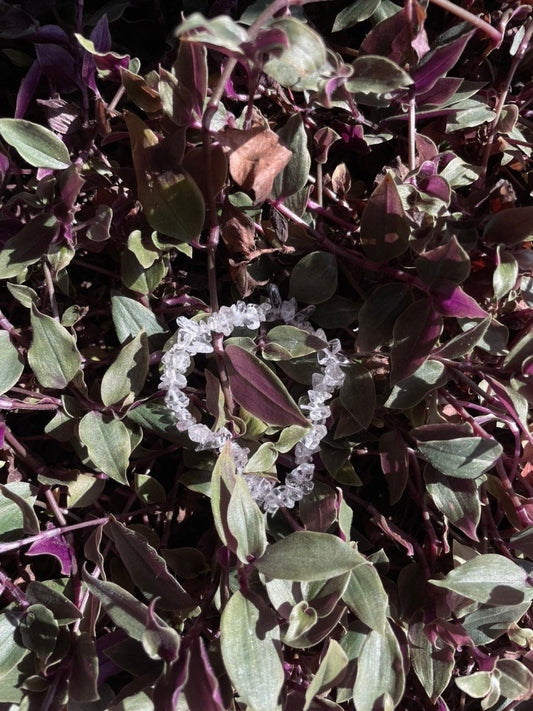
(358, 394)
(246, 523)
(465, 342)
(307, 555)
(108, 444)
(11, 649)
(123, 608)
(147, 568)
(286, 342)
(451, 300)
(354, 13)
(259, 390)
(12, 363)
(125, 378)
(506, 273)
(458, 499)
(330, 672)
(412, 390)
(463, 457)
(379, 313)
(172, 202)
(53, 355)
(251, 650)
(489, 578)
(415, 333)
(39, 146)
(379, 671)
(130, 317)
(294, 175)
(28, 245)
(30, 522)
(373, 74)
(394, 456)
(366, 597)
(384, 227)
(433, 665)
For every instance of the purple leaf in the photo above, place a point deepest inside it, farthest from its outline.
(27, 89)
(394, 458)
(53, 34)
(384, 227)
(415, 333)
(451, 300)
(256, 388)
(56, 546)
(201, 689)
(168, 687)
(394, 34)
(100, 36)
(447, 261)
(442, 58)
(441, 91)
(58, 65)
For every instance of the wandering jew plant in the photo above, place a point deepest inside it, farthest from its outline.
(266, 355)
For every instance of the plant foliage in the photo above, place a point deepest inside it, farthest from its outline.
(266, 351)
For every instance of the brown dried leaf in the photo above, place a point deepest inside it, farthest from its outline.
(238, 230)
(256, 156)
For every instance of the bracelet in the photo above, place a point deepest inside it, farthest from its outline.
(194, 337)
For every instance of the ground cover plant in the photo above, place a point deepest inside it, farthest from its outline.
(266, 356)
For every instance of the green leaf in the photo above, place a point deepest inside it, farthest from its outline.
(415, 332)
(39, 146)
(171, 200)
(433, 662)
(506, 273)
(486, 624)
(294, 175)
(510, 227)
(146, 567)
(302, 59)
(84, 670)
(13, 520)
(246, 523)
(373, 74)
(314, 279)
(130, 317)
(125, 378)
(222, 485)
(380, 672)
(251, 650)
(330, 672)
(457, 499)
(149, 490)
(221, 33)
(11, 651)
(286, 342)
(476, 685)
(366, 597)
(409, 392)
(379, 313)
(354, 13)
(12, 363)
(53, 355)
(489, 578)
(465, 342)
(358, 394)
(123, 608)
(62, 608)
(28, 245)
(108, 444)
(155, 417)
(30, 522)
(516, 680)
(307, 555)
(38, 631)
(384, 226)
(463, 457)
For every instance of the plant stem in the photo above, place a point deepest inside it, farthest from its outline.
(480, 24)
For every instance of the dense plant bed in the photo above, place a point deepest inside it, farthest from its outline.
(266, 356)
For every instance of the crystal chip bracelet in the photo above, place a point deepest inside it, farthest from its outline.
(194, 337)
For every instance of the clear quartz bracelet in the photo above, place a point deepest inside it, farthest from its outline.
(194, 337)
